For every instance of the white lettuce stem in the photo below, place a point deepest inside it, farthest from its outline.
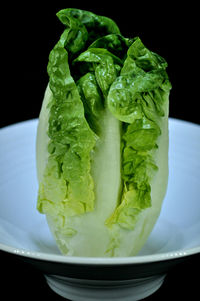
(106, 166)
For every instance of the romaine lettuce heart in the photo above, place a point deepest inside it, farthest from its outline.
(102, 140)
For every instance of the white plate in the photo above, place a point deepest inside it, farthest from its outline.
(24, 232)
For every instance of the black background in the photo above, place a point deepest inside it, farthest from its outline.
(29, 32)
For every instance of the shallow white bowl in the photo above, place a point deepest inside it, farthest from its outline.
(24, 232)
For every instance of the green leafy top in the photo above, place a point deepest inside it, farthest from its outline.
(93, 69)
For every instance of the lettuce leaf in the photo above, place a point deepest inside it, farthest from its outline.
(71, 141)
(102, 140)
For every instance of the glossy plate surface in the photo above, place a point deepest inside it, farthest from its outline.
(24, 231)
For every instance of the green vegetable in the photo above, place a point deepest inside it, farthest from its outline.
(102, 142)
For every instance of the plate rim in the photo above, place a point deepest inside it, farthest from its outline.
(140, 259)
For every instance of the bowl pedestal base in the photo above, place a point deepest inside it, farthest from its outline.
(98, 290)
